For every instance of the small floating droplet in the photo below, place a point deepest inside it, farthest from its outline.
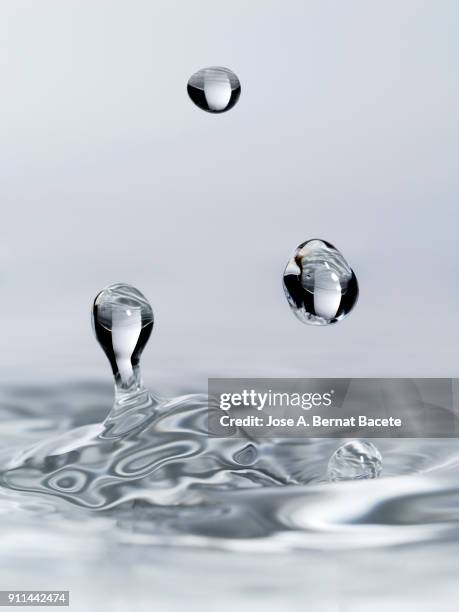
(214, 89)
(123, 321)
(320, 286)
(355, 460)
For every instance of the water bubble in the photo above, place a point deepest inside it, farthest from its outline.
(320, 286)
(355, 460)
(214, 89)
(123, 321)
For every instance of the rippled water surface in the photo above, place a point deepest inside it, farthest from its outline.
(122, 513)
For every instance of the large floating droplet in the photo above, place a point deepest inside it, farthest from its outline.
(123, 320)
(214, 89)
(355, 460)
(320, 286)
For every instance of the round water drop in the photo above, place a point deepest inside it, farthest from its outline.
(123, 321)
(214, 89)
(355, 460)
(320, 286)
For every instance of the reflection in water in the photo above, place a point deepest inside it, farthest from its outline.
(79, 506)
(167, 480)
(165, 457)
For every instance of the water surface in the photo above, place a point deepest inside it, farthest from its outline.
(123, 518)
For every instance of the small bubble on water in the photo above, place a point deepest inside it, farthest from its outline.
(319, 284)
(355, 460)
(214, 89)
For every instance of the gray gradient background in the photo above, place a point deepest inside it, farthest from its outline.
(346, 130)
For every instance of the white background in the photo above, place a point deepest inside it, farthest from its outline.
(346, 130)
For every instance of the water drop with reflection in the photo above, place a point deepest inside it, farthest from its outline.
(214, 89)
(319, 284)
(355, 460)
(123, 320)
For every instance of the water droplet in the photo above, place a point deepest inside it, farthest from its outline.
(355, 460)
(214, 89)
(320, 286)
(123, 321)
